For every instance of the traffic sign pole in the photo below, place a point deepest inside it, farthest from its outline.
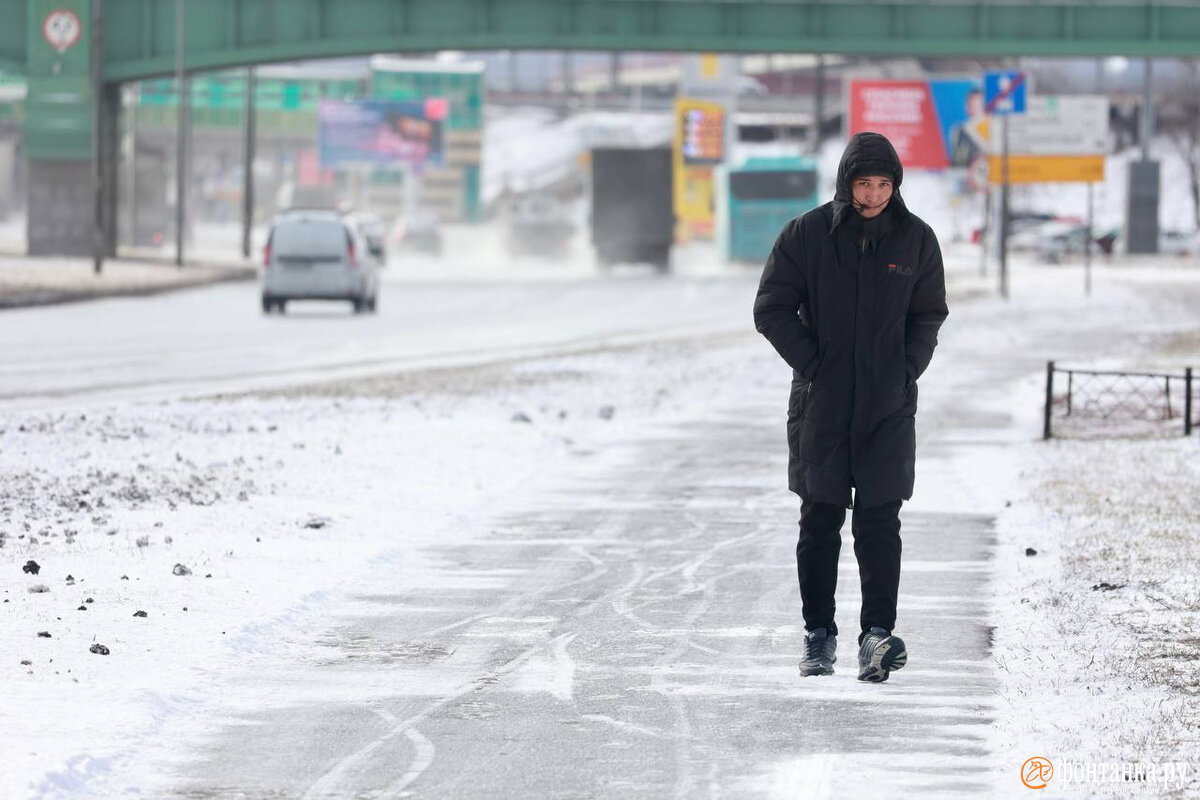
(1005, 96)
(985, 237)
(1004, 209)
(1087, 244)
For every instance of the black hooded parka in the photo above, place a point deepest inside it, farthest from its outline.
(854, 305)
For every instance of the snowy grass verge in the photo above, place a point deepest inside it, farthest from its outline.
(1098, 614)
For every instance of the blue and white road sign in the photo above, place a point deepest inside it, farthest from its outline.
(1004, 92)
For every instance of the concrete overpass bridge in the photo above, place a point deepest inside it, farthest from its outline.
(75, 53)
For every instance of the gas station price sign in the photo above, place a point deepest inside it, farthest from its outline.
(703, 136)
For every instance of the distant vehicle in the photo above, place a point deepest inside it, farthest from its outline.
(633, 217)
(764, 194)
(317, 255)
(1018, 221)
(1056, 241)
(292, 196)
(374, 230)
(539, 224)
(420, 234)
(1178, 243)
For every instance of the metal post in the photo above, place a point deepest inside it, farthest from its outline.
(1187, 402)
(132, 128)
(635, 98)
(98, 119)
(819, 105)
(1147, 118)
(789, 91)
(1049, 399)
(568, 76)
(985, 231)
(1070, 390)
(1087, 244)
(184, 102)
(412, 193)
(1004, 208)
(248, 167)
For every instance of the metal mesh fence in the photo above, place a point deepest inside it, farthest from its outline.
(1090, 404)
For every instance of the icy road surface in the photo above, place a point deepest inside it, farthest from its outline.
(634, 636)
(217, 338)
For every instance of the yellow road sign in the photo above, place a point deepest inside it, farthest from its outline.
(1047, 169)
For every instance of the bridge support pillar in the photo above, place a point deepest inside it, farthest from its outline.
(61, 120)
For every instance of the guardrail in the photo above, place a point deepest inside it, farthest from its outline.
(1121, 402)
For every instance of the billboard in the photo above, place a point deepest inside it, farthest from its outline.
(1068, 125)
(381, 133)
(934, 124)
(1057, 139)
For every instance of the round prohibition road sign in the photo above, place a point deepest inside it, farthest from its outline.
(61, 29)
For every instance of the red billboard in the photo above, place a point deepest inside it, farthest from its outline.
(923, 119)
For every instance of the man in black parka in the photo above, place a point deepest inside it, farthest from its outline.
(852, 297)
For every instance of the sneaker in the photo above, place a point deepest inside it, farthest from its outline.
(820, 651)
(878, 654)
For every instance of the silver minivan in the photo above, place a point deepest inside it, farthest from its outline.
(316, 255)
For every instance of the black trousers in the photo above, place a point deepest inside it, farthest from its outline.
(877, 548)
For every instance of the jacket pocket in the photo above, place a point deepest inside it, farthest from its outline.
(798, 400)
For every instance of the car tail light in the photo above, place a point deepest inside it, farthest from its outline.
(267, 255)
(353, 257)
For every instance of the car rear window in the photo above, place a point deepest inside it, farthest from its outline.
(309, 238)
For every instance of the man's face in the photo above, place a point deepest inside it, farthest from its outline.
(871, 194)
(974, 105)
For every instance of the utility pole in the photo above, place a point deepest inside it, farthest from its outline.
(183, 119)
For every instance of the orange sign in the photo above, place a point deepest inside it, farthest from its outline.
(1047, 169)
(1037, 772)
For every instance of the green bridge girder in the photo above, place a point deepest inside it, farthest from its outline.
(139, 34)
